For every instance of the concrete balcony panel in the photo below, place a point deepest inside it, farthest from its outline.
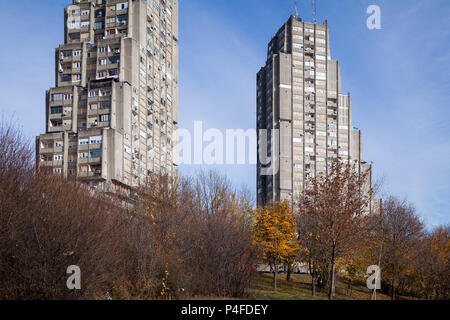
(95, 160)
(55, 129)
(83, 147)
(83, 160)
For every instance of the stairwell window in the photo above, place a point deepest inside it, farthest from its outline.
(98, 25)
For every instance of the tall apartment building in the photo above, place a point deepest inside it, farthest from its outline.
(299, 93)
(111, 116)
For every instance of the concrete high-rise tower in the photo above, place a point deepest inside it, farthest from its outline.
(111, 116)
(299, 93)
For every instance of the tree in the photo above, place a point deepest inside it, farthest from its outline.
(333, 205)
(434, 263)
(274, 233)
(402, 230)
(311, 247)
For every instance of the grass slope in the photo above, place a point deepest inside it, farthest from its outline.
(299, 288)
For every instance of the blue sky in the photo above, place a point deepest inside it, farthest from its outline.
(398, 78)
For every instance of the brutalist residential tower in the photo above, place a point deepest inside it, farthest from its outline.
(111, 116)
(299, 93)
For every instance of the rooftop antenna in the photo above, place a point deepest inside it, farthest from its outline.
(313, 3)
(296, 9)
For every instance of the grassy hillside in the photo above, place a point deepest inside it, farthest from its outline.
(299, 288)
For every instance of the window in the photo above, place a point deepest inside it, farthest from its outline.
(74, 36)
(113, 72)
(319, 57)
(66, 53)
(101, 49)
(102, 62)
(105, 105)
(98, 25)
(77, 53)
(58, 144)
(56, 110)
(58, 157)
(83, 141)
(96, 153)
(57, 170)
(57, 97)
(65, 77)
(114, 59)
(110, 20)
(85, 24)
(55, 123)
(76, 77)
(111, 9)
(94, 93)
(74, 25)
(105, 118)
(122, 18)
(92, 106)
(95, 140)
(122, 6)
(99, 13)
(83, 155)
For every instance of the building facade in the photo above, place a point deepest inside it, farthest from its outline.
(299, 95)
(111, 117)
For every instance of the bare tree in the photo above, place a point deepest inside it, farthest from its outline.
(402, 230)
(333, 206)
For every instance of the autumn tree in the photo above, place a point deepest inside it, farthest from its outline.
(402, 231)
(334, 204)
(312, 249)
(274, 233)
(433, 264)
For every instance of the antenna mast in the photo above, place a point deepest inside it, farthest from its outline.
(296, 9)
(313, 3)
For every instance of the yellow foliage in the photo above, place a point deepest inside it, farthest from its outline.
(274, 232)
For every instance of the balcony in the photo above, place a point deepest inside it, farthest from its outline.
(46, 163)
(95, 160)
(89, 175)
(55, 128)
(67, 115)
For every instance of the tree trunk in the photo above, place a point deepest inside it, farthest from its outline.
(288, 275)
(275, 274)
(313, 284)
(333, 267)
(393, 289)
